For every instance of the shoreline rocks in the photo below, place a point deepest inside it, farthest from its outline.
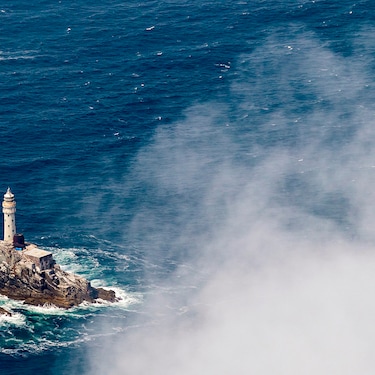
(5, 312)
(20, 279)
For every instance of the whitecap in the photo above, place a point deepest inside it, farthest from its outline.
(125, 299)
(41, 345)
(46, 309)
(18, 55)
(16, 319)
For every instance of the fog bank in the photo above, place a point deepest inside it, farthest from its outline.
(275, 208)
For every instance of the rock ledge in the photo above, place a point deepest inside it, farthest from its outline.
(44, 284)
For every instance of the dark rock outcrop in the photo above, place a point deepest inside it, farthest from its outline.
(5, 312)
(21, 280)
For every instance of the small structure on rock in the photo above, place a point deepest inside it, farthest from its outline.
(31, 274)
(42, 259)
(19, 241)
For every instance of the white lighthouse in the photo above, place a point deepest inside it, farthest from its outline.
(9, 211)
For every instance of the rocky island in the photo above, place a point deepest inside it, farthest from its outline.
(31, 274)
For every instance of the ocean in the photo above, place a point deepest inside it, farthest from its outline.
(210, 161)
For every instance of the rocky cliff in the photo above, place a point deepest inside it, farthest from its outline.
(20, 279)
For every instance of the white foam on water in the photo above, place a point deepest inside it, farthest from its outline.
(46, 309)
(16, 319)
(41, 345)
(75, 259)
(18, 55)
(125, 299)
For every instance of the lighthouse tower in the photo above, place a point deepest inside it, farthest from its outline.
(9, 211)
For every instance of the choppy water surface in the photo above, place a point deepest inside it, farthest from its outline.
(132, 133)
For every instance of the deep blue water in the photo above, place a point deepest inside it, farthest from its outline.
(118, 120)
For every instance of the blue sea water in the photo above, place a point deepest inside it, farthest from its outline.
(117, 119)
